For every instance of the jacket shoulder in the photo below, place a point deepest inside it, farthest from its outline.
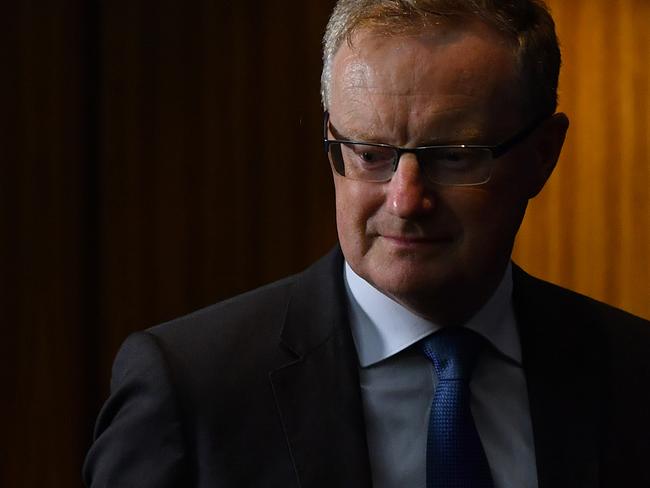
(620, 339)
(554, 299)
(263, 306)
(256, 320)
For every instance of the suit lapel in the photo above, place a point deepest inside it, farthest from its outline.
(560, 357)
(319, 400)
(317, 395)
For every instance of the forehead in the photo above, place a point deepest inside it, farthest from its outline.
(443, 69)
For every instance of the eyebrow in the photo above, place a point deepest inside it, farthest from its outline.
(359, 138)
(466, 136)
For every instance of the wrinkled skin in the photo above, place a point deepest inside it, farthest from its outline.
(438, 250)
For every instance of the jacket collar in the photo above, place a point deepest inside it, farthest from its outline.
(560, 350)
(319, 400)
(317, 394)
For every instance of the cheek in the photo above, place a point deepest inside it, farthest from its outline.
(488, 214)
(356, 203)
(469, 204)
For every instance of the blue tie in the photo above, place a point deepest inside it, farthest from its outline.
(455, 455)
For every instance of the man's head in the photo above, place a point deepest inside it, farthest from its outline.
(527, 25)
(430, 72)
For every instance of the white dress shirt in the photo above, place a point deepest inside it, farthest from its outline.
(397, 385)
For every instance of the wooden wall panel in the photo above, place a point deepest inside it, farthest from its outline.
(212, 179)
(159, 156)
(46, 422)
(590, 228)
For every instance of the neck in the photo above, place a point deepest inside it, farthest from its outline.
(457, 303)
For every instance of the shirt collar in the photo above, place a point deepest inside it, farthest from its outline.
(381, 327)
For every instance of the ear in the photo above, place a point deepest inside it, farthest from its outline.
(546, 144)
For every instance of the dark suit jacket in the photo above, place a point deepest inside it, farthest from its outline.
(263, 391)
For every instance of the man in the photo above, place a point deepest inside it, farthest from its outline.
(440, 126)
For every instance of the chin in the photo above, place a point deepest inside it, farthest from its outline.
(405, 279)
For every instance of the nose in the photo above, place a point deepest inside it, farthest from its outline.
(408, 195)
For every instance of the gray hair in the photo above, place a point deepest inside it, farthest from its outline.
(527, 23)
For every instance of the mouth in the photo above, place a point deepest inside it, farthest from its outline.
(414, 242)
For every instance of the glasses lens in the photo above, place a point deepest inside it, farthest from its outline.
(365, 162)
(456, 165)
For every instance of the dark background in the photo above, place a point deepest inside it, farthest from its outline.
(159, 156)
(156, 157)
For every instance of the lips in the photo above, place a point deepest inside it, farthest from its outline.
(408, 240)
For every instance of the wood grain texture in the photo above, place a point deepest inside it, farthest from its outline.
(42, 195)
(589, 230)
(159, 156)
(213, 178)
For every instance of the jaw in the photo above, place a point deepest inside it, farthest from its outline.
(444, 281)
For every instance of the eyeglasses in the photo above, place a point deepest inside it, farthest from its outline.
(453, 165)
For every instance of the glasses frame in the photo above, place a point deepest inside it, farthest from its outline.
(496, 150)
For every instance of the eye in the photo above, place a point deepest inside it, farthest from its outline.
(458, 158)
(367, 155)
(453, 156)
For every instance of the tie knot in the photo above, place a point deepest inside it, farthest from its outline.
(453, 352)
